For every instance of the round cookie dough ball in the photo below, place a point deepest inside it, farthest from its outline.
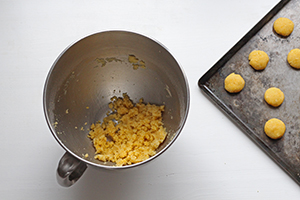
(274, 128)
(283, 26)
(258, 59)
(274, 96)
(293, 58)
(234, 83)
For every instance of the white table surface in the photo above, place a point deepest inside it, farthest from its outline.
(206, 161)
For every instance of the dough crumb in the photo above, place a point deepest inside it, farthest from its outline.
(274, 96)
(293, 58)
(258, 59)
(274, 128)
(283, 26)
(85, 155)
(131, 133)
(234, 83)
(136, 63)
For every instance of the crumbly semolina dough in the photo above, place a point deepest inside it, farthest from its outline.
(283, 26)
(258, 59)
(234, 83)
(274, 128)
(293, 58)
(130, 134)
(274, 96)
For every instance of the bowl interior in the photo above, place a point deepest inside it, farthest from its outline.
(91, 71)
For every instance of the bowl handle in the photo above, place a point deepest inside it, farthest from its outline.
(69, 170)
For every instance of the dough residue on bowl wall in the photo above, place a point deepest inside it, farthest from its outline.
(134, 61)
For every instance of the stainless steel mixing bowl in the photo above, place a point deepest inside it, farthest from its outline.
(91, 71)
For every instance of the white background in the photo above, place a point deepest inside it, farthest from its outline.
(211, 159)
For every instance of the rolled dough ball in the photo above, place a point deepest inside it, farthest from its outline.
(234, 83)
(293, 58)
(274, 96)
(258, 59)
(283, 26)
(274, 128)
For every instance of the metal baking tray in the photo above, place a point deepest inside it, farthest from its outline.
(248, 108)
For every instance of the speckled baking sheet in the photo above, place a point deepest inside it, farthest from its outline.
(248, 108)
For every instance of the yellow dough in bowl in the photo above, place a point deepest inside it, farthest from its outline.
(274, 128)
(130, 133)
(274, 96)
(258, 59)
(293, 58)
(283, 26)
(234, 83)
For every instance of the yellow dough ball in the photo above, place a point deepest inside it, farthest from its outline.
(293, 58)
(234, 83)
(258, 59)
(283, 26)
(274, 128)
(274, 96)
